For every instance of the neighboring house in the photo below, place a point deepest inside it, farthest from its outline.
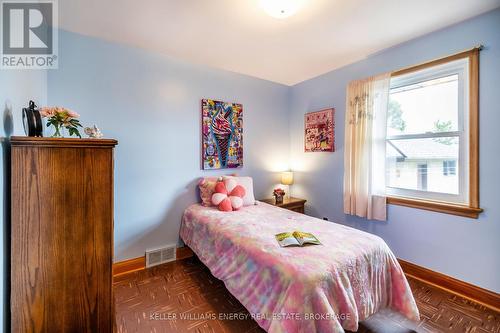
(423, 164)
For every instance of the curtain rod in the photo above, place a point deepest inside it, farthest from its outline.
(437, 61)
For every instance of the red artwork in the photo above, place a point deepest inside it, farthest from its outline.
(319, 131)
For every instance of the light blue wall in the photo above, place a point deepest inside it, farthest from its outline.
(466, 249)
(17, 87)
(151, 104)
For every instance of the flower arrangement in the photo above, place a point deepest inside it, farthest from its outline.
(61, 118)
(278, 195)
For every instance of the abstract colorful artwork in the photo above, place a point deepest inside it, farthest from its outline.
(222, 134)
(319, 131)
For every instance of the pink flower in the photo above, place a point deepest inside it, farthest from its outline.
(47, 112)
(61, 117)
(72, 114)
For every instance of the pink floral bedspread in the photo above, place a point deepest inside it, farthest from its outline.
(319, 288)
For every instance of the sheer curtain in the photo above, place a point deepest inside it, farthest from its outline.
(364, 161)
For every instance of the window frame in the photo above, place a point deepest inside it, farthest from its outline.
(460, 68)
(469, 207)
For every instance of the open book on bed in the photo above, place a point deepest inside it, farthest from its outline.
(296, 238)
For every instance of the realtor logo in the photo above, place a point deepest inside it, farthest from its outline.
(29, 36)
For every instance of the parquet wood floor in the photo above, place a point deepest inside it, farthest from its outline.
(183, 296)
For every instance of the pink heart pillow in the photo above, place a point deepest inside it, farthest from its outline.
(228, 195)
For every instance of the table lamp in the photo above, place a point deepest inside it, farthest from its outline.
(287, 179)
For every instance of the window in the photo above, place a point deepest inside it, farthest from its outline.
(431, 121)
(449, 168)
(427, 128)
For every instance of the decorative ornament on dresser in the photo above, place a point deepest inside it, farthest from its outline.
(319, 131)
(93, 132)
(222, 134)
(61, 118)
(32, 121)
(278, 195)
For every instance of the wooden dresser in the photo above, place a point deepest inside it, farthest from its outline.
(62, 235)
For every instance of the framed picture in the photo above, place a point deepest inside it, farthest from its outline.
(222, 134)
(319, 132)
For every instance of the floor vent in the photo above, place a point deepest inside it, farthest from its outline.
(160, 256)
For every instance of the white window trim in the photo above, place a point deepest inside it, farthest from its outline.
(461, 68)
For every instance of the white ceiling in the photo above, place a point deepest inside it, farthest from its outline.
(237, 35)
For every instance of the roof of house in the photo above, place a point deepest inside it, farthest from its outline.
(421, 149)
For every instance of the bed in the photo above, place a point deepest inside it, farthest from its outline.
(319, 288)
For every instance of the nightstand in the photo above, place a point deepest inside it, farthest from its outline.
(295, 204)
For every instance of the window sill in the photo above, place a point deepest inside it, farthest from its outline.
(436, 206)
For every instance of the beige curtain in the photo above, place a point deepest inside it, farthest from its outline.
(364, 162)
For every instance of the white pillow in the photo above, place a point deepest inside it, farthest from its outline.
(247, 183)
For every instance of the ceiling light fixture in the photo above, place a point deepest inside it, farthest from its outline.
(281, 8)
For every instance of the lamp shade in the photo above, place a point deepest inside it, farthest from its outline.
(287, 178)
